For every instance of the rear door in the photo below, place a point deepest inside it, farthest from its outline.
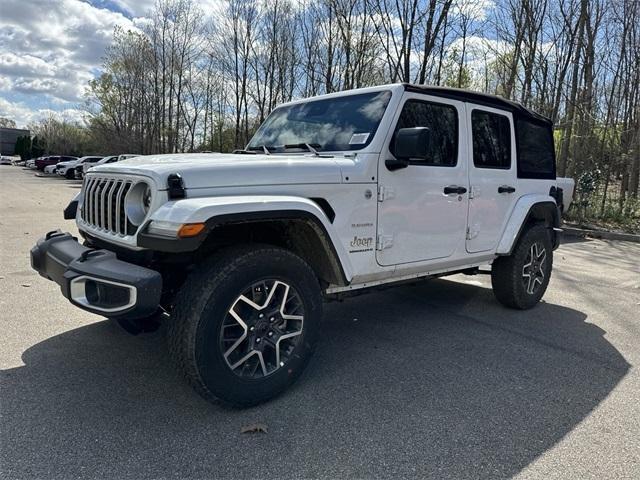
(492, 176)
(422, 209)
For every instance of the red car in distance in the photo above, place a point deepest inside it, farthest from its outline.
(52, 160)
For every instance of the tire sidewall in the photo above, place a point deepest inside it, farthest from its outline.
(537, 234)
(212, 367)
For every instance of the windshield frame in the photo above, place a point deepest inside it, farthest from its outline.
(255, 144)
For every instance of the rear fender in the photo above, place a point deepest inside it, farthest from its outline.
(526, 206)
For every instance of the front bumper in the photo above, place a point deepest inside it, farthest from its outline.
(95, 280)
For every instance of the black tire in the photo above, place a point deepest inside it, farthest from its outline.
(511, 285)
(70, 174)
(203, 307)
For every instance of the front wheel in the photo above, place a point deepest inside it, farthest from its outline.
(245, 324)
(520, 280)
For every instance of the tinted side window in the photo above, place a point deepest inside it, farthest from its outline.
(536, 157)
(442, 121)
(491, 140)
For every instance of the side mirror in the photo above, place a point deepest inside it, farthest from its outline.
(412, 143)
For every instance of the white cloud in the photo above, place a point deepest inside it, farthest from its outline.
(472, 9)
(135, 8)
(143, 8)
(23, 115)
(49, 50)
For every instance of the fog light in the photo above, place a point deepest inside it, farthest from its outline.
(102, 295)
(105, 295)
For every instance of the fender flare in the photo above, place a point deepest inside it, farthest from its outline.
(216, 211)
(519, 217)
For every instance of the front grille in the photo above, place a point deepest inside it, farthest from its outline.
(103, 206)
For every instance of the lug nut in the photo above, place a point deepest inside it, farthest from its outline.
(271, 319)
(257, 340)
(251, 329)
(261, 315)
(271, 334)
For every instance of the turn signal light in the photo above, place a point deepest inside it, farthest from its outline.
(190, 230)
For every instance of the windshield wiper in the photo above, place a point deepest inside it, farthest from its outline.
(264, 148)
(312, 147)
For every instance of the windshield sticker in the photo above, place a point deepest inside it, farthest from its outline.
(359, 138)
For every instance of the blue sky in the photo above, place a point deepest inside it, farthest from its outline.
(50, 49)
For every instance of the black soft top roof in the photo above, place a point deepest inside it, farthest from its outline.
(479, 98)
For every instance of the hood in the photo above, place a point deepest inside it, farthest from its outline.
(204, 170)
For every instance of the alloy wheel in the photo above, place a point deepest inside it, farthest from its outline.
(533, 270)
(262, 328)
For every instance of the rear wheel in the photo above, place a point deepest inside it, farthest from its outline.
(70, 174)
(245, 325)
(521, 279)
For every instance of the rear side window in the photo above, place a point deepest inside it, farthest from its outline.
(536, 156)
(491, 140)
(442, 122)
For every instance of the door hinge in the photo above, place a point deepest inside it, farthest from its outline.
(384, 241)
(385, 193)
(472, 233)
(474, 191)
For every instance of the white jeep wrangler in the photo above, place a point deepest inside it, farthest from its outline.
(333, 195)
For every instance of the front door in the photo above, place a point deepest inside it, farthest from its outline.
(492, 176)
(422, 209)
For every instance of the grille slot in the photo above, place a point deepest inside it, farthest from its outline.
(103, 207)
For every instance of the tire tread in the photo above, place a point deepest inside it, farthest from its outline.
(191, 299)
(506, 273)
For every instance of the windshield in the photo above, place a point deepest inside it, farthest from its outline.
(342, 123)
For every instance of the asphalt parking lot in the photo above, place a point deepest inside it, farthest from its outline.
(432, 381)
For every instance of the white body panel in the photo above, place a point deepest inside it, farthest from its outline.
(428, 229)
(414, 214)
(488, 209)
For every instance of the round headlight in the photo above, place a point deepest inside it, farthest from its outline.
(146, 199)
(137, 203)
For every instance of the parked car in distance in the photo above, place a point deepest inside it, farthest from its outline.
(31, 163)
(52, 160)
(5, 160)
(105, 160)
(85, 164)
(67, 169)
(50, 169)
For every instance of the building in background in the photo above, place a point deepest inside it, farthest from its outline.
(8, 137)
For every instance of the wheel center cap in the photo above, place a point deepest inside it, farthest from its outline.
(262, 326)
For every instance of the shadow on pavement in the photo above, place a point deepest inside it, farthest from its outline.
(431, 380)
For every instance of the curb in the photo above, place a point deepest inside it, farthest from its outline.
(581, 232)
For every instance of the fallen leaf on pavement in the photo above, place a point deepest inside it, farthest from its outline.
(26, 284)
(255, 428)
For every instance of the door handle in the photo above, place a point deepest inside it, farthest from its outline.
(506, 189)
(454, 189)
